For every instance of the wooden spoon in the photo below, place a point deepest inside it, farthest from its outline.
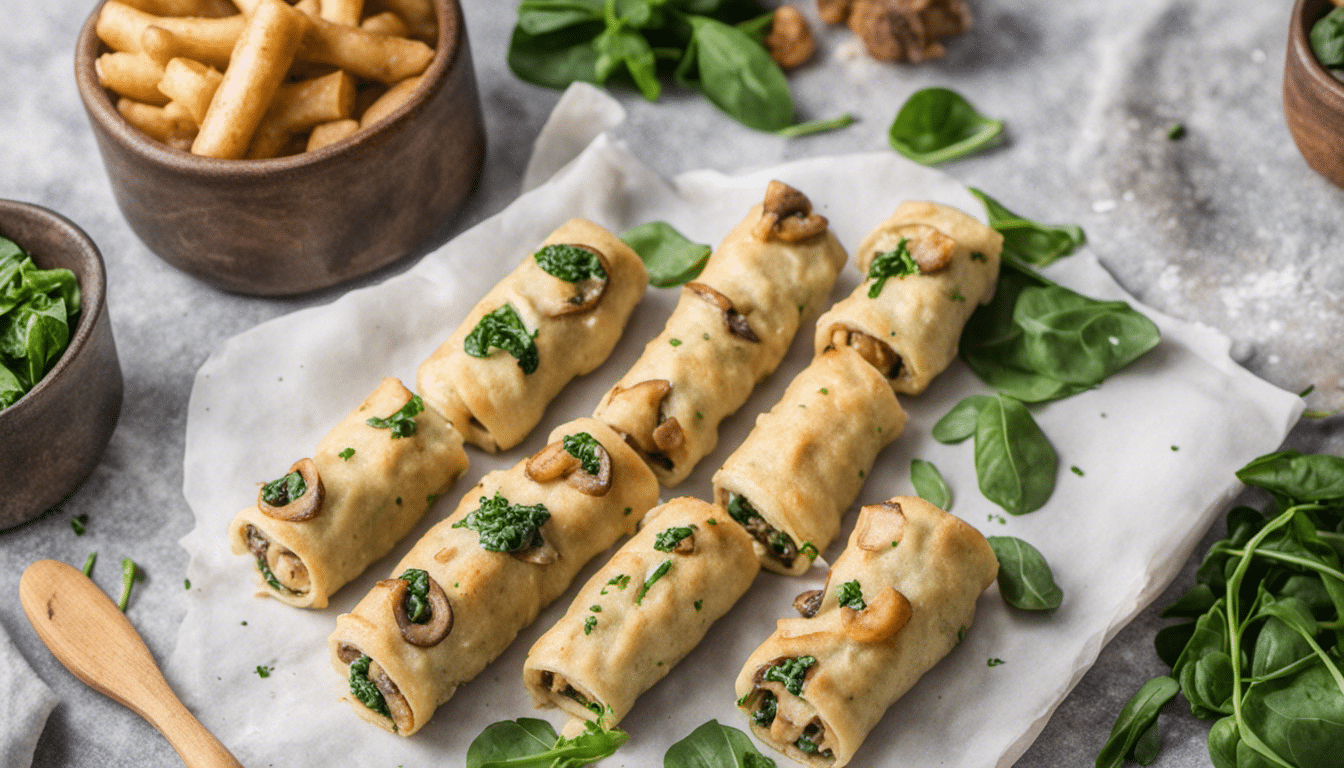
(95, 641)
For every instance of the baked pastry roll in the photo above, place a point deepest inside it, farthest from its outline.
(648, 607)
(907, 321)
(556, 316)
(792, 479)
(514, 544)
(730, 329)
(369, 482)
(898, 599)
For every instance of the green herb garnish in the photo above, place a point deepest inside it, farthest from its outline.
(674, 342)
(809, 549)
(88, 563)
(588, 625)
(417, 595)
(657, 574)
(505, 527)
(938, 124)
(269, 577)
(402, 423)
(620, 581)
(264, 671)
(78, 523)
(570, 263)
(584, 447)
(504, 329)
(364, 690)
(283, 490)
(699, 604)
(805, 744)
(850, 595)
(667, 540)
(896, 263)
(765, 714)
(790, 672)
(669, 257)
(994, 662)
(129, 570)
(347, 453)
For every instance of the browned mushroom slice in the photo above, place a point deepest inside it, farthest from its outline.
(787, 216)
(882, 527)
(882, 619)
(587, 292)
(651, 432)
(870, 348)
(735, 321)
(348, 653)
(554, 462)
(402, 716)
(808, 603)
(930, 248)
(434, 630)
(295, 510)
(668, 436)
(540, 555)
(281, 569)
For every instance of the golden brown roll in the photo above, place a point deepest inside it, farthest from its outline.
(557, 329)
(908, 325)
(648, 607)
(514, 544)
(792, 479)
(363, 490)
(730, 329)
(900, 597)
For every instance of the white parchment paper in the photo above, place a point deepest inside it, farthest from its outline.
(1155, 449)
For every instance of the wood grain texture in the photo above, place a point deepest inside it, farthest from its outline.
(1313, 100)
(96, 642)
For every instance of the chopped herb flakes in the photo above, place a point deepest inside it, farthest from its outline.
(398, 501)
(1175, 448)
(667, 540)
(570, 263)
(766, 714)
(957, 295)
(626, 511)
(1176, 131)
(851, 596)
(402, 423)
(791, 673)
(504, 329)
(417, 595)
(824, 391)
(129, 570)
(657, 574)
(282, 491)
(995, 662)
(505, 527)
(620, 581)
(805, 744)
(186, 583)
(347, 453)
(264, 671)
(88, 563)
(977, 256)
(674, 342)
(584, 447)
(1076, 470)
(809, 549)
(77, 522)
(363, 689)
(595, 608)
(896, 263)
(699, 604)
(588, 625)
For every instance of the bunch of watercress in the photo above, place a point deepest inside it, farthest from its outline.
(1260, 648)
(715, 46)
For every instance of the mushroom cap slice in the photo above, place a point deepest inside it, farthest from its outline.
(587, 292)
(808, 603)
(786, 215)
(307, 506)
(873, 350)
(735, 321)
(882, 525)
(432, 632)
(554, 461)
(881, 620)
(930, 248)
(402, 716)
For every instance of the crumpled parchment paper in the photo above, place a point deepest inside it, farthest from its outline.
(1156, 446)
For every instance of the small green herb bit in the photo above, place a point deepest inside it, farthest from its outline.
(938, 124)
(417, 595)
(402, 423)
(667, 540)
(282, 491)
(620, 581)
(699, 604)
(505, 527)
(346, 454)
(78, 523)
(588, 625)
(657, 574)
(896, 263)
(790, 672)
(994, 662)
(805, 744)
(129, 571)
(669, 257)
(851, 595)
(584, 447)
(88, 563)
(570, 263)
(363, 689)
(674, 342)
(1176, 131)
(186, 583)
(1075, 469)
(264, 671)
(957, 295)
(504, 329)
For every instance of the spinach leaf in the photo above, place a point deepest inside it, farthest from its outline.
(657, 574)
(402, 423)
(537, 17)
(667, 540)
(670, 258)
(1327, 39)
(959, 423)
(929, 484)
(738, 75)
(1015, 463)
(555, 59)
(816, 126)
(713, 745)
(1301, 715)
(504, 329)
(283, 490)
(1192, 604)
(584, 447)
(569, 263)
(1290, 475)
(1137, 716)
(850, 595)
(531, 743)
(937, 124)
(417, 595)
(11, 388)
(363, 689)
(37, 309)
(1025, 578)
(896, 263)
(1032, 242)
(505, 527)
(791, 672)
(741, 510)
(618, 46)
(1149, 744)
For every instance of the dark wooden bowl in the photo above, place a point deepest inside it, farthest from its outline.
(53, 437)
(1313, 100)
(295, 224)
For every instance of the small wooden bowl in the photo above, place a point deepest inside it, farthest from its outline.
(1313, 100)
(53, 437)
(295, 224)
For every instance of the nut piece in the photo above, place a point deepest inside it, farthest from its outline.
(908, 30)
(554, 461)
(881, 620)
(587, 292)
(786, 215)
(871, 349)
(790, 40)
(432, 632)
(834, 11)
(735, 321)
(306, 506)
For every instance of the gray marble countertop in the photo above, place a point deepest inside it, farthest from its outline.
(1226, 226)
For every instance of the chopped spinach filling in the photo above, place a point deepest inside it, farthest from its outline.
(584, 447)
(790, 672)
(570, 263)
(282, 491)
(765, 715)
(417, 596)
(667, 540)
(504, 329)
(505, 527)
(402, 423)
(364, 690)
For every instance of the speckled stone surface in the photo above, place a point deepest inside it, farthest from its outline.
(1227, 226)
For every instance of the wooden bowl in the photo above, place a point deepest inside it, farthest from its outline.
(294, 224)
(1313, 100)
(53, 437)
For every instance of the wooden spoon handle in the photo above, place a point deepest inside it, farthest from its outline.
(97, 643)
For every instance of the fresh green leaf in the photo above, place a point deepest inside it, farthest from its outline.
(1015, 463)
(1170, 641)
(402, 423)
(1025, 578)
(738, 75)
(129, 572)
(1079, 340)
(792, 673)
(511, 740)
(850, 595)
(1148, 746)
(667, 540)
(617, 47)
(363, 689)
(503, 329)
(538, 17)
(938, 124)
(1138, 714)
(670, 258)
(657, 574)
(1301, 478)
(1300, 715)
(570, 263)
(929, 484)
(715, 746)
(959, 423)
(284, 490)
(816, 126)
(555, 59)
(896, 263)
(1192, 604)
(1223, 741)
(584, 447)
(1327, 39)
(1032, 242)
(505, 527)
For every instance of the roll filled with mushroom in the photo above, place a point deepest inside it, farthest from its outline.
(637, 617)
(514, 545)
(370, 481)
(899, 599)
(556, 316)
(928, 267)
(730, 329)
(792, 479)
